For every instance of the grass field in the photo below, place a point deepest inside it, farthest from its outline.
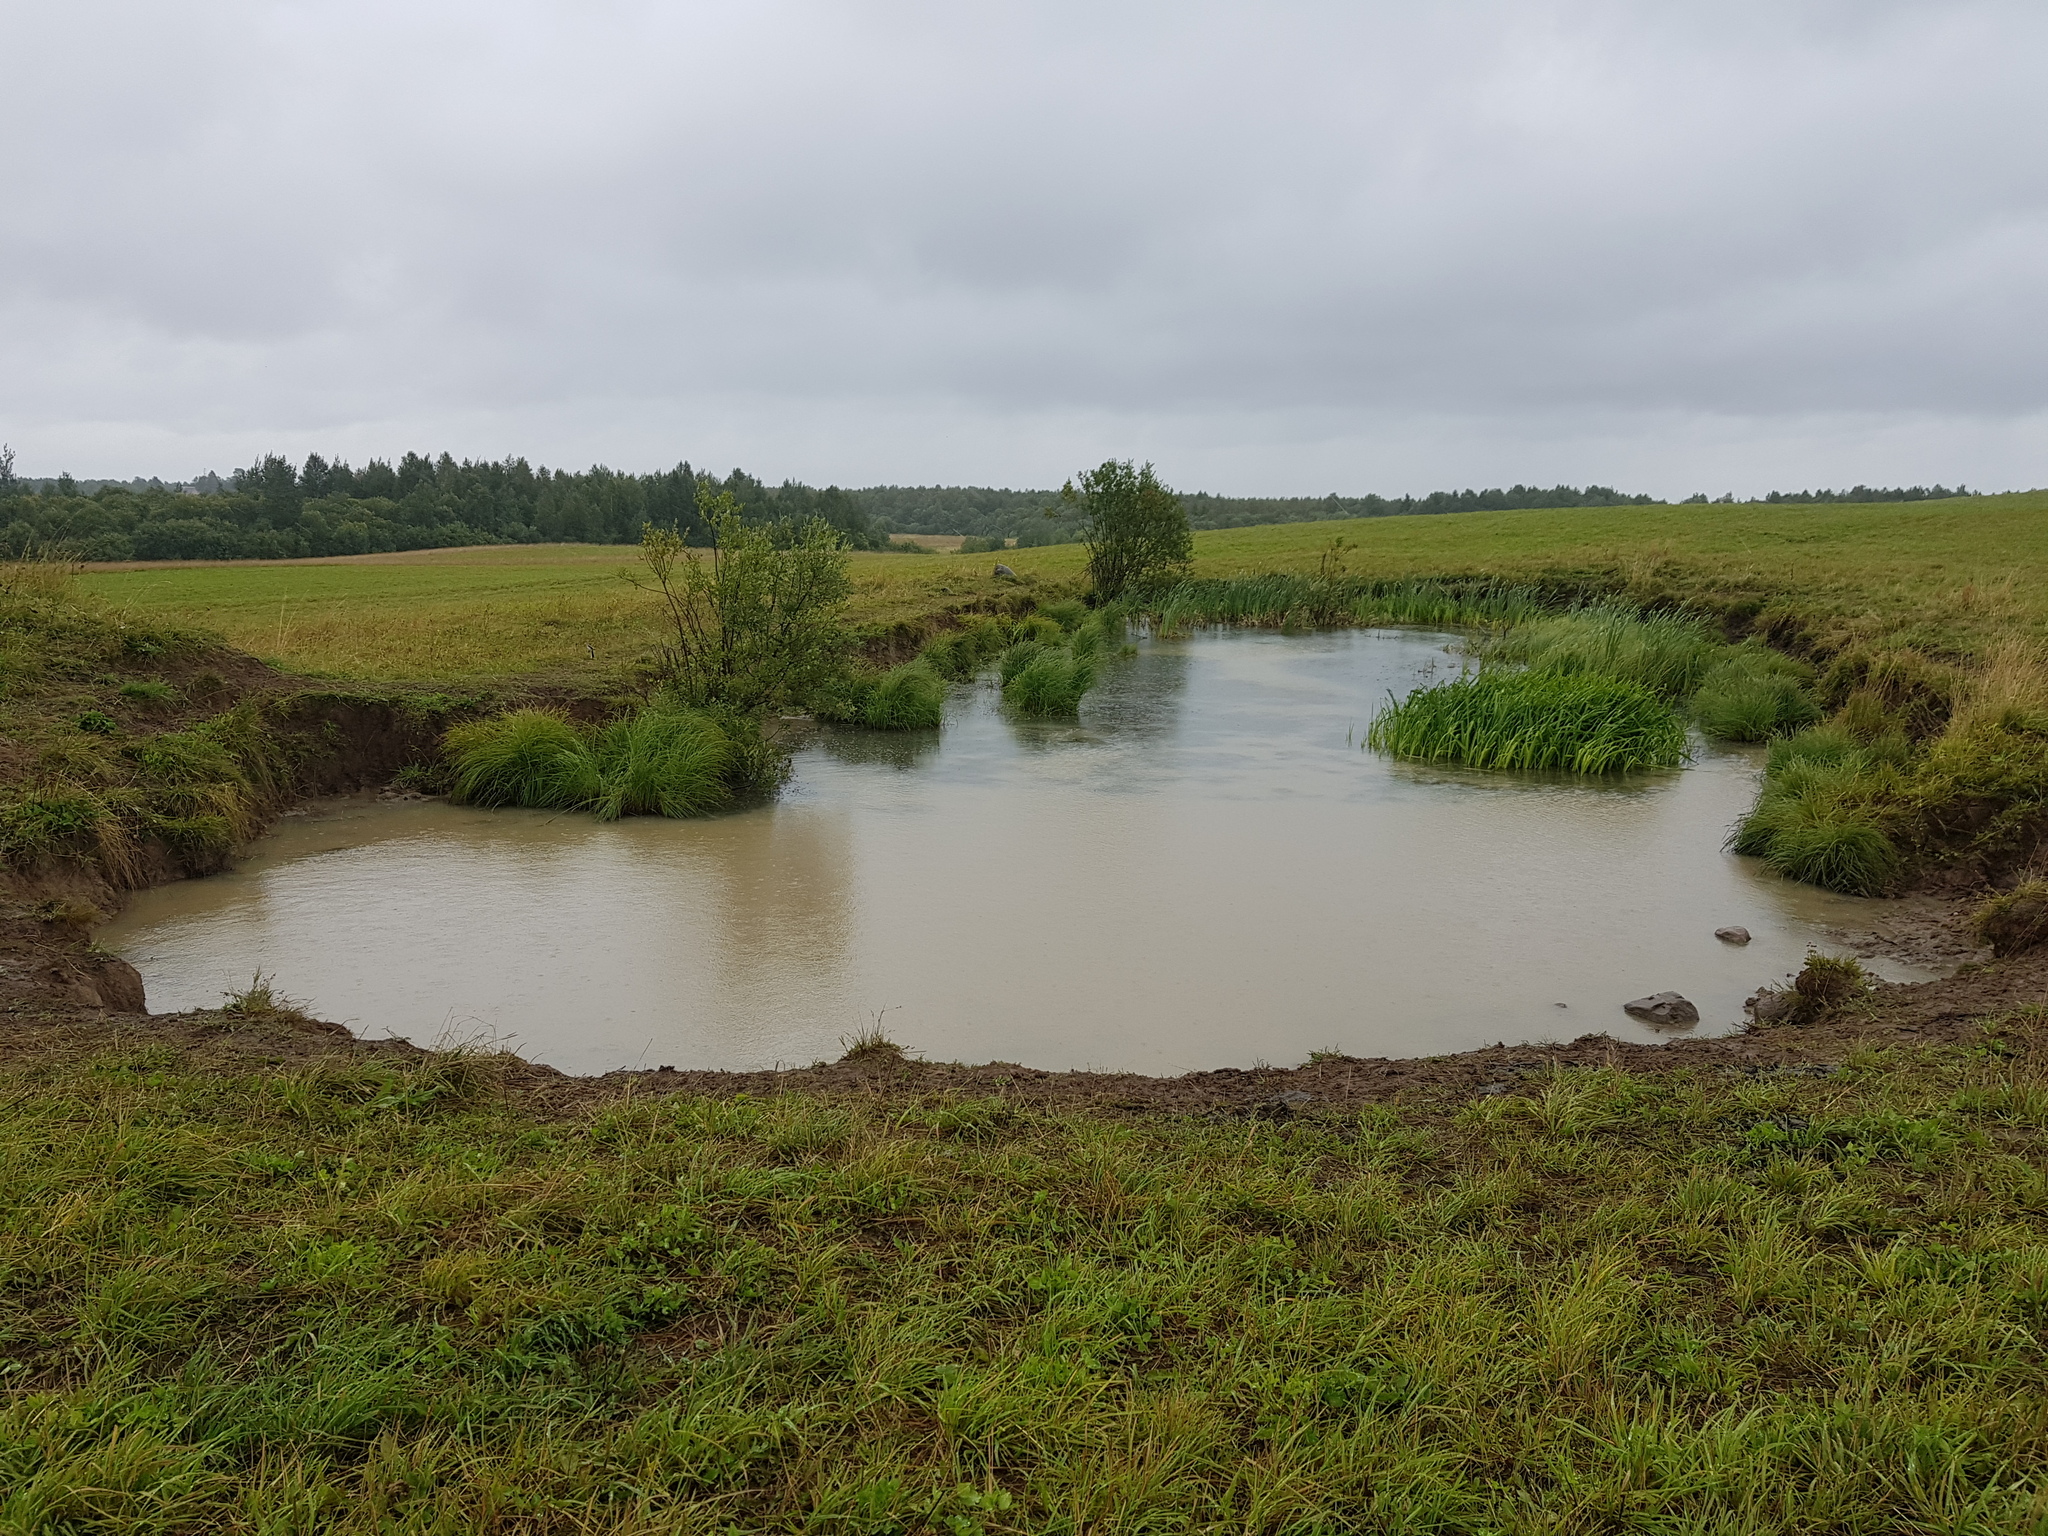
(367, 1297)
(1949, 578)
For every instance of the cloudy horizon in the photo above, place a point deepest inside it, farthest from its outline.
(1278, 250)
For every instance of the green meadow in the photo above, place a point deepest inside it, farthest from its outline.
(370, 1297)
(1950, 578)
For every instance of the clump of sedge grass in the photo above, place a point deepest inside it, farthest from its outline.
(1667, 653)
(909, 697)
(1754, 694)
(1817, 818)
(1825, 983)
(148, 691)
(261, 1000)
(1049, 681)
(524, 757)
(2015, 921)
(959, 654)
(1583, 723)
(661, 761)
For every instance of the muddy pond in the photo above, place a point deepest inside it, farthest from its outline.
(1206, 871)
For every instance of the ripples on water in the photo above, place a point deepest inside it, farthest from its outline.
(1206, 871)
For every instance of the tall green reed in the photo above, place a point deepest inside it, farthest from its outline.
(1584, 723)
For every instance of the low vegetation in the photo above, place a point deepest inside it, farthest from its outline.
(662, 760)
(1582, 723)
(362, 1297)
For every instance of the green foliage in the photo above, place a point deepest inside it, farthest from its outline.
(754, 622)
(148, 691)
(1825, 983)
(1134, 529)
(373, 1296)
(1581, 722)
(959, 654)
(97, 723)
(1283, 600)
(1068, 612)
(525, 757)
(1667, 653)
(1820, 816)
(661, 760)
(1754, 694)
(1048, 681)
(909, 697)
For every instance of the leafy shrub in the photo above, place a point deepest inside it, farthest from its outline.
(1584, 723)
(97, 723)
(2014, 921)
(909, 697)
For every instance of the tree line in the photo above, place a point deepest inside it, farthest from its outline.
(275, 509)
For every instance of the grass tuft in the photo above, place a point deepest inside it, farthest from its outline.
(2014, 921)
(1667, 653)
(524, 757)
(1586, 724)
(661, 761)
(1049, 683)
(907, 698)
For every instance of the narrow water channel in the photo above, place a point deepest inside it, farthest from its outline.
(1205, 871)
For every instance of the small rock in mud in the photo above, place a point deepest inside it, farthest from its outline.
(1767, 1005)
(1732, 935)
(1666, 1009)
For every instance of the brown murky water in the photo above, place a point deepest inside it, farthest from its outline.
(1206, 871)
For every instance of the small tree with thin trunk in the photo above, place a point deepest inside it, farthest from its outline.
(1135, 529)
(755, 618)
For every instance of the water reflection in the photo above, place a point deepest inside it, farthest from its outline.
(1205, 870)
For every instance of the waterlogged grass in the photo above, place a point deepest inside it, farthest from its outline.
(659, 761)
(1287, 600)
(1581, 722)
(357, 1299)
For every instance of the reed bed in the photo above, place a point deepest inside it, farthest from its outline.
(1581, 722)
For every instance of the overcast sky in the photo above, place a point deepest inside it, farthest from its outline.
(1277, 248)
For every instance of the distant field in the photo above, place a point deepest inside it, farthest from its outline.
(1947, 576)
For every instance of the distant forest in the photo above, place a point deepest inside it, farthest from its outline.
(277, 510)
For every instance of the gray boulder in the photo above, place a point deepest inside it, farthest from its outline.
(1732, 935)
(1664, 1009)
(1004, 573)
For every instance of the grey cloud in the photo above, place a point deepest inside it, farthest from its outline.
(1276, 247)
